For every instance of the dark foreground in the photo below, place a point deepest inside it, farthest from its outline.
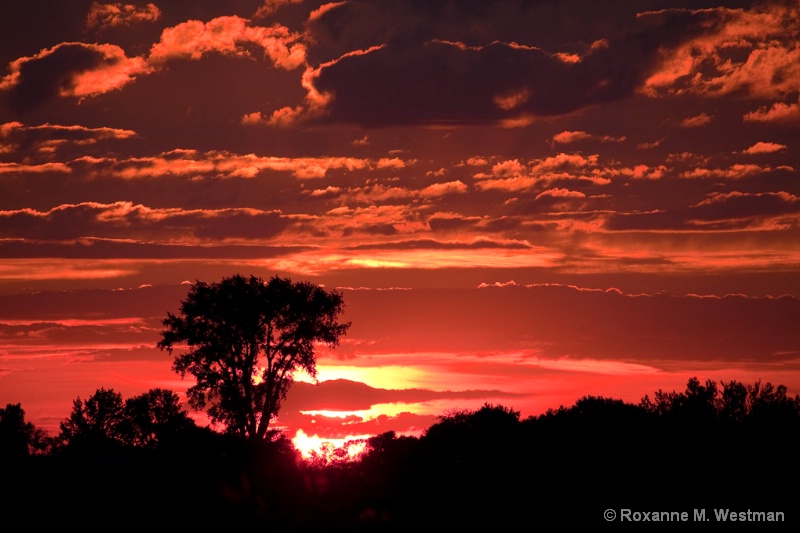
(685, 461)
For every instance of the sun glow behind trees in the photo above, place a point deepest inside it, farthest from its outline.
(329, 450)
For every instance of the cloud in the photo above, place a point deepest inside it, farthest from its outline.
(766, 63)
(346, 395)
(500, 63)
(222, 164)
(230, 36)
(21, 168)
(734, 172)
(505, 63)
(452, 245)
(719, 211)
(569, 137)
(445, 188)
(380, 80)
(740, 205)
(696, 121)
(269, 7)
(108, 15)
(779, 112)
(125, 220)
(46, 139)
(556, 321)
(764, 148)
(560, 194)
(75, 69)
(511, 175)
(69, 70)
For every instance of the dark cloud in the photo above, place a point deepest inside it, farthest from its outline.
(561, 321)
(346, 395)
(335, 427)
(570, 25)
(734, 210)
(44, 77)
(447, 62)
(109, 249)
(49, 306)
(124, 220)
(432, 244)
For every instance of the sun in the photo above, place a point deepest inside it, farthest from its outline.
(317, 449)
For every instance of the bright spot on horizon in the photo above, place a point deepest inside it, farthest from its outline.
(329, 449)
(381, 377)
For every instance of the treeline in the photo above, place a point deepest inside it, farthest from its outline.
(136, 461)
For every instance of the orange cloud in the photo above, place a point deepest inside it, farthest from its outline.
(218, 164)
(767, 63)
(765, 148)
(560, 193)
(725, 197)
(779, 112)
(108, 15)
(513, 100)
(228, 35)
(519, 183)
(563, 161)
(316, 101)
(568, 137)
(441, 189)
(737, 171)
(269, 7)
(15, 168)
(696, 121)
(75, 69)
(508, 169)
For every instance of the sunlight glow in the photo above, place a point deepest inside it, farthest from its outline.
(329, 450)
(381, 377)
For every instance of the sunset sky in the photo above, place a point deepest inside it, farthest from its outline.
(522, 202)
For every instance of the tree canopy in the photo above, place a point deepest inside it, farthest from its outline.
(106, 420)
(245, 339)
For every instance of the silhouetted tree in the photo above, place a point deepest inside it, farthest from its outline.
(19, 438)
(734, 404)
(153, 417)
(697, 405)
(104, 420)
(246, 338)
(96, 422)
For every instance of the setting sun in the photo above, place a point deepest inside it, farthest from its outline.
(329, 450)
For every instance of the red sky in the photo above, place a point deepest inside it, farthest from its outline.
(521, 202)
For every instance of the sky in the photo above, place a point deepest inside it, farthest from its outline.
(521, 202)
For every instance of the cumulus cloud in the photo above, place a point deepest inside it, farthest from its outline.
(765, 148)
(506, 63)
(767, 62)
(69, 69)
(76, 69)
(436, 66)
(442, 189)
(569, 137)
(230, 36)
(778, 112)
(269, 7)
(107, 15)
(696, 121)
